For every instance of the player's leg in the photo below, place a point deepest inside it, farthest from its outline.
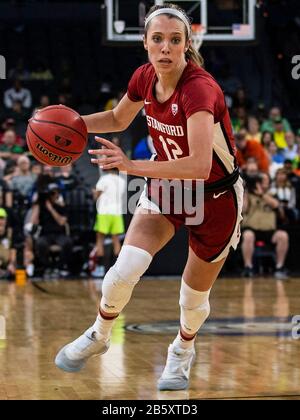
(210, 244)
(147, 234)
(197, 281)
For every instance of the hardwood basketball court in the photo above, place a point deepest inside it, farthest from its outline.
(246, 350)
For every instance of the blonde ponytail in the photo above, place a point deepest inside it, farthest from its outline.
(194, 55)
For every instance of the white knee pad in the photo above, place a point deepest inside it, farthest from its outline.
(121, 278)
(194, 308)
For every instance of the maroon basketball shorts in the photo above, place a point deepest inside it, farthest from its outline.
(219, 231)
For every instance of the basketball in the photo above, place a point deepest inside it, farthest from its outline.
(56, 135)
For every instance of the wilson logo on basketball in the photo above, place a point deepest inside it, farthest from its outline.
(66, 160)
(62, 142)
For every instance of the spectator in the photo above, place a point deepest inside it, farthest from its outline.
(260, 224)
(41, 72)
(17, 93)
(247, 149)
(239, 119)
(251, 168)
(285, 193)
(291, 151)
(294, 179)
(7, 252)
(9, 150)
(240, 99)
(266, 139)
(19, 72)
(44, 178)
(279, 134)
(67, 180)
(276, 159)
(20, 116)
(275, 114)
(36, 168)
(44, 102)
(24, 181)
(109, 220)
(10, 124)
(253, 129)
(50, 214)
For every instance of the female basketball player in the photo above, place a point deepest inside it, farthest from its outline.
(190, 126)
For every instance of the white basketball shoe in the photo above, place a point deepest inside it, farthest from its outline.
(73, 356)
(177, 370)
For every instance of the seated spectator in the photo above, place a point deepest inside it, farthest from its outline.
(44, 102)
(10, 124)
(240, 99)
(260, 224)
(66, 180)
(19, 72)
(247, 149)
(289, 169)
(279, 133)
(20, 116)
(44, 178)
(36, 168)
(294, 179)
(253, 129)
(266, 139)
(9, 150)
(17, 93)
(41, 72)
(50, 214)
(276, 159)
(275, 114)
(239, 119)
(7, 252)
(24, 181)
(251, 168)
(291, 151)
(285, 193)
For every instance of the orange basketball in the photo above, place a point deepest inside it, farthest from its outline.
(56, 135)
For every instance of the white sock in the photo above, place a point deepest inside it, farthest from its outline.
(183, 344)
(103, 327)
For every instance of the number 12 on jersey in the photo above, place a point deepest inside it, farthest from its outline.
(171, 148)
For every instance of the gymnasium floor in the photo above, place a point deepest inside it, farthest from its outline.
(245, 351)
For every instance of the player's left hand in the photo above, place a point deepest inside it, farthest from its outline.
(112, 156)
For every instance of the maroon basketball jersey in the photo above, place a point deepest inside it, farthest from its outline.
(167, 122)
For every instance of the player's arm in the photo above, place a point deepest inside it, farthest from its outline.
(195, 166)
(115, 120)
